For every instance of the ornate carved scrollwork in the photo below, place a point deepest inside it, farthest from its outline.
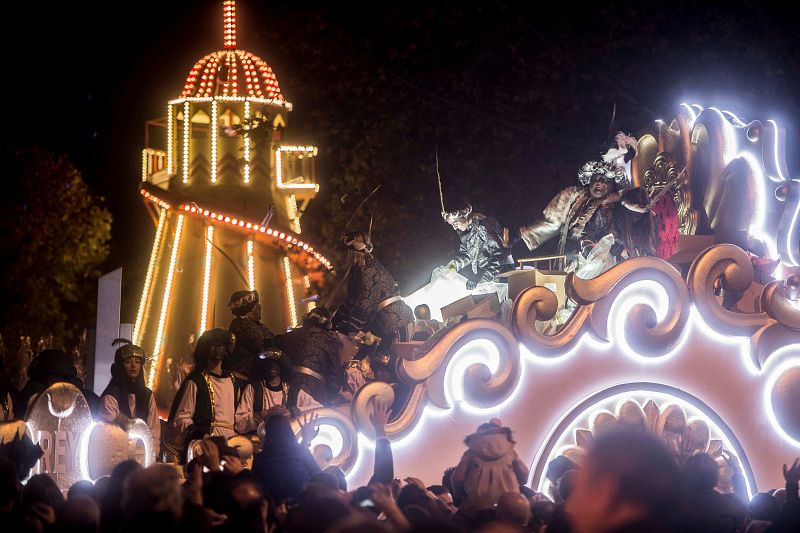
(481, 387)
(644, 332)
(731, 267)
(539, 303)
(400, 425)
(769, 330)
(659, 176)
(339, 420)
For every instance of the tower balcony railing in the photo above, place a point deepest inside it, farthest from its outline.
(154, 166)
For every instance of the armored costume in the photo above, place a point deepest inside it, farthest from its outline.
(373, 301)
(482, 247)
(127, 398)
(314, 353)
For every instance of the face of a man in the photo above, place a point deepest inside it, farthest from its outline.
(255, 312)
(599, 188)
(218, 352)
(274, 371)
(133, 365)
(460, 224)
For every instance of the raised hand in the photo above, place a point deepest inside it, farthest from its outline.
(378, 417)
(210, 455)
(382, 496)
(792, 474)
(233, 464)
(308, 427)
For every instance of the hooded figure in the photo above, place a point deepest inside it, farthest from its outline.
(568, 213)
(127, 397)
(373, 302)
(482, 245)
(314, 352)
(488, 469)
(49, 367)
(207, 402)
(271, 374)
(252, 336)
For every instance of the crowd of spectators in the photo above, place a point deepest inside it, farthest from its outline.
(627, 482)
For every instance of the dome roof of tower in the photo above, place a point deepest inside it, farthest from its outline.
(233, 73)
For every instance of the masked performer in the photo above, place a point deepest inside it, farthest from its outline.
(252, 336)
(207, 401)
(567, 214)
(271, 373)
(373, 303)
(127, 397)
(482, 247)
(314, 351)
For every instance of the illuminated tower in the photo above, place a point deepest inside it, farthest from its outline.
(222, 164)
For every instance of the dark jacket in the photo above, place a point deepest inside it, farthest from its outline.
(284, 466)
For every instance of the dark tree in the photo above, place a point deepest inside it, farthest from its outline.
(55, 235)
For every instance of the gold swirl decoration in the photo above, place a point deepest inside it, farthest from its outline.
(540, 303)
(644, 332)
(481, 387)
(731, 267)
(775, 326)
(660, 176)
(327, 416)
(400, 425)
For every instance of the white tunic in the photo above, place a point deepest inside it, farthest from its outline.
(109, 411)
(224, 411)
(246, 419)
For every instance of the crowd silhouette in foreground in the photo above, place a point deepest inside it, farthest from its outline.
(627, 482)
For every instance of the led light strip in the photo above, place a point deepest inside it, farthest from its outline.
(155, 199)
(233, 221)
(214, 130)
(186, 132)
(144, 164)
(291, 208)
(246, 169)
(266, 101)
(229, 23)
(206, 279)
(165, 303)
(310, 151)
(287, 271)
(251, 267)
(778, 160)
(307, 284)
(170, 119)
(148, 280)
(288, 238)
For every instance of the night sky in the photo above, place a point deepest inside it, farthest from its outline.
(511, 92)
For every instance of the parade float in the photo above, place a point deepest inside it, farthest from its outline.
(651, 345)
